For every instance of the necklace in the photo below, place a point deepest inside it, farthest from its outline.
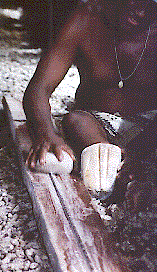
(121, 82)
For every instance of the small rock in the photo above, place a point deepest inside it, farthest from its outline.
(9, 257)
(20, 253)
(27, 265)
(2, 255)
(29, 252)
(2, 203)
(10, 215)
(17, 264)
(15, 242)
(33, 265)
(37, 259)
(44, 257)
(5, 267)
(22, 243)
(8, 247)
(6, 260)
(4, 193)
(3, 212)
(16, 209)
(14, 217)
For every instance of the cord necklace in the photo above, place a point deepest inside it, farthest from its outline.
(121, 82)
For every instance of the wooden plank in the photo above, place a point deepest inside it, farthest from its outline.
(54, 225)
(86, 221)
(16, 109)
(73, 232)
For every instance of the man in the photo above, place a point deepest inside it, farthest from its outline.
(113, 44)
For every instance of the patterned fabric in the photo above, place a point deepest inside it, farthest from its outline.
(125, 128)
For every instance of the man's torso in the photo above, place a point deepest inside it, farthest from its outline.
(96, 61)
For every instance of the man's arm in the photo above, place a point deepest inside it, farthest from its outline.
(50, 71)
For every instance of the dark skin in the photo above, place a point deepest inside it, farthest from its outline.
(88, 41)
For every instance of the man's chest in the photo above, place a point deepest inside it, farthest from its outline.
(108, 57)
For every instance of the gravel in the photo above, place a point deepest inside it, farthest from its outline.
(21, 247)
(17, 69)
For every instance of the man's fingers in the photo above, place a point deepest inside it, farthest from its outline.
(71, 154)
(40, 151)
(58, 153)
(33, 156)
(33, 160)
(29, 156)
(43, 151)
(68, 150)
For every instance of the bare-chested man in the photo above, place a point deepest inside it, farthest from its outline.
(113, 44)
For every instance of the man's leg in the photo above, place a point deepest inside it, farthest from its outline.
(81, 129)
(138, 167)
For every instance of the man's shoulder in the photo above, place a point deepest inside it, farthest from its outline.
(80, 24)
(75, 29)
(81, 15)
(95, 6)
(153, 35)
(154, 27)
(154, 17)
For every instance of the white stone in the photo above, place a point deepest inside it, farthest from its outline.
(37, 259)
(21, 242)
(10, 215)
(11, 247)
(16, 209)
(6, 260)
(3, 212)
(5, 267)
(7, 246)
(33, 265)
(55, 166)
(14, 217)
(29, 252)
(9, 257)
(15, 242)
(2, 203)
(17, 264)
(27, 265)
(20, 253)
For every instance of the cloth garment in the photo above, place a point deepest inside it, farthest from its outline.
(121, 129)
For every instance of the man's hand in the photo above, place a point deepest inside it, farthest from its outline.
(37, 147)
(38, 151)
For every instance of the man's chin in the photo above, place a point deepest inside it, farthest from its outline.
(132, 21)
(131, 26)
(126, 27)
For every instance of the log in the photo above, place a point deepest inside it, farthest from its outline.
(73, 232)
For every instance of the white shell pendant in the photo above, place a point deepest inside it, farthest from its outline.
(120, 84)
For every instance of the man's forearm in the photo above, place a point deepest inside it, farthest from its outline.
(38, 111)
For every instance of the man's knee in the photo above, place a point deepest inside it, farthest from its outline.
(69, 119)
(69, 124)
(75, 119)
